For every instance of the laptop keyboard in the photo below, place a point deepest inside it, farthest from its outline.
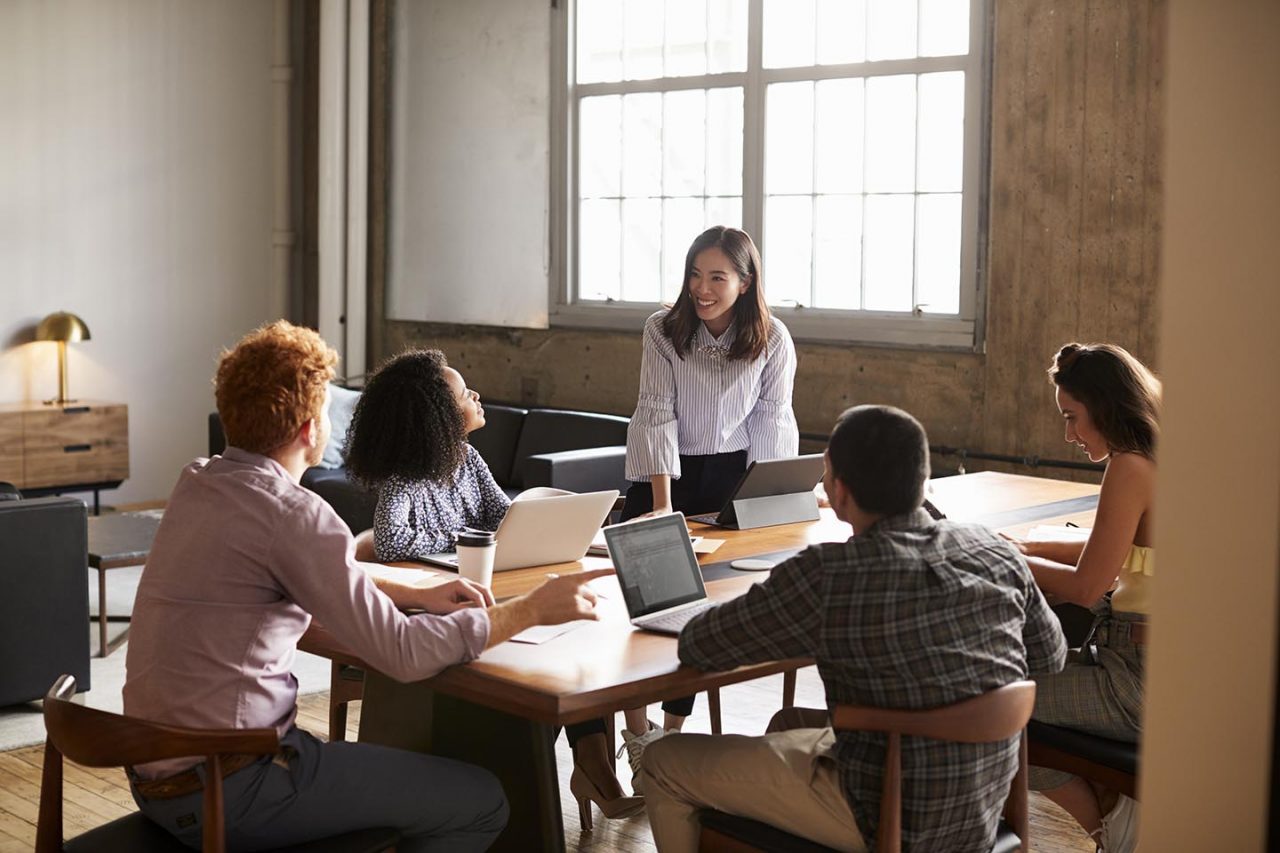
(674, 620)
(710, 518)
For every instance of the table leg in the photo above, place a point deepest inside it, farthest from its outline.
(519, 752)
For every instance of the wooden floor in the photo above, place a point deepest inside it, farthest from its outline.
(93, 797)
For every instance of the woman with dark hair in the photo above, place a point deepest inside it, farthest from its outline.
(408, 440)
(1110, 403)
(715, 395)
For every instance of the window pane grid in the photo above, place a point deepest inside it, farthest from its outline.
(862, 214)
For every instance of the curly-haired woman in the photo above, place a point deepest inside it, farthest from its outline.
(408, 440)
(1110, 403)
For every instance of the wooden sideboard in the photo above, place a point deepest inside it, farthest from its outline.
(80, 446)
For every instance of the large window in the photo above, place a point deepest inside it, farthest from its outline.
(844, 135)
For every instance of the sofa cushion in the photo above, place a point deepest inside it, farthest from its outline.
(550, 431)
(496, 440)
(342, 405)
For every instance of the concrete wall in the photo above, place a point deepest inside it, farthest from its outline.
(1076, 192)
(136, 190)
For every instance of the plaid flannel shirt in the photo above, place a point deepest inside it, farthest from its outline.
(913, 613)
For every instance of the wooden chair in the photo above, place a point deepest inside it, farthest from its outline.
(993, 716)
(96, 738)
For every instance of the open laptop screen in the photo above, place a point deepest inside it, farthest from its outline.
(655, 564)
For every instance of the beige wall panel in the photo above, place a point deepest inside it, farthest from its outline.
(1211, 680)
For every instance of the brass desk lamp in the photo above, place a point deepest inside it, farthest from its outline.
(62, 327)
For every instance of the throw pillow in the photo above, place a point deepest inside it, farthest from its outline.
(342, 405)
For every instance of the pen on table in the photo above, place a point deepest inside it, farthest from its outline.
(1072, 524)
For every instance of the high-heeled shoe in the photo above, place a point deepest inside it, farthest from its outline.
(586, 793)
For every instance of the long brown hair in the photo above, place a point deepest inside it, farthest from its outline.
(750, 312)
(1120, 393)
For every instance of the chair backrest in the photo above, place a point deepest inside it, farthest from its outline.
(97, 738)
(994, 716)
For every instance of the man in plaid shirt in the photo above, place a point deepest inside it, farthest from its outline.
(908, 613)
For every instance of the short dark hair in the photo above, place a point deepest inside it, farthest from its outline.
(407, 423)
(750, 311)
(881, 455)
(1121, 395)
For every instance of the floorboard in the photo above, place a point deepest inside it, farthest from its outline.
(93, 796)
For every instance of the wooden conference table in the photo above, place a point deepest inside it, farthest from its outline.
(500, 711)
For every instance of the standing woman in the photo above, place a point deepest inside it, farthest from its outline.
(715, 394)
(715, 384)
(1110, 402)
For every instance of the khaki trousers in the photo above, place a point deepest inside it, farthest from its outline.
(786, 779)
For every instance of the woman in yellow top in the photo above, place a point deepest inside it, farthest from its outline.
(1110, 403)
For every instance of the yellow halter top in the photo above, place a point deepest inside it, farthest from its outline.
(1133, 591)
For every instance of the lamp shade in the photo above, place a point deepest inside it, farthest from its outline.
(62, 326)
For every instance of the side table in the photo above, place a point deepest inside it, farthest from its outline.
(115, 541)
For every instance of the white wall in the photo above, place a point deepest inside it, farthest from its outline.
(136, 190)
(470, 181)
(1207, 745)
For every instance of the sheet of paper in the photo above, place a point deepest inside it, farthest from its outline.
(1057, 533)
(539, 634)
(421, 578)
(701, 545)
(704, 545)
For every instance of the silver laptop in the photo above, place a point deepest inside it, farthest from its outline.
(542, 531)
(766, 478)
(659, 575)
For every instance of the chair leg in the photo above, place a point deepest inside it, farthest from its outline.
(49, 822)
(346, 684)
(713, 708)
(789, 689)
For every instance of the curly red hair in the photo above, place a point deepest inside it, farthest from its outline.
(271, 383)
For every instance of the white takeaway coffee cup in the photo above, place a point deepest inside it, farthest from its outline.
(475, 549)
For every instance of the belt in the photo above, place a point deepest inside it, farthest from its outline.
(188, 781)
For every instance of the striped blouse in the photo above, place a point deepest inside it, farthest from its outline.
(705, 403)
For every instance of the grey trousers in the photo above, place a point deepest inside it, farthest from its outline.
(1096, 693)
(330, 788)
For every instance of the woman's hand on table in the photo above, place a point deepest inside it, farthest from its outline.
(1023, 546)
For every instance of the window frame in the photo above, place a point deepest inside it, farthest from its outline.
(917, 329)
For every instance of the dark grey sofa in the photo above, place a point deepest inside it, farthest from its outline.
(524, 448)
(44, 595)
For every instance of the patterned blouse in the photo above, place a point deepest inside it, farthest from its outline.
(704, 403)
(415, 518)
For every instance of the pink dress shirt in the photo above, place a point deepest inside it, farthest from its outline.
(243, 559)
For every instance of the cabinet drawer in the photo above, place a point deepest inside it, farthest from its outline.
(10, 434)
(55, 429)
(11, 469)
(78, 464)
(88, 444)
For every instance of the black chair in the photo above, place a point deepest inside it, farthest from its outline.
(993, 716)
(96, 738)
(44, 609)
(1111, 763)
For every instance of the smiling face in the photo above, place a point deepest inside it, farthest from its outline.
(714, 286)
(1080, 429)
(468, 400)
